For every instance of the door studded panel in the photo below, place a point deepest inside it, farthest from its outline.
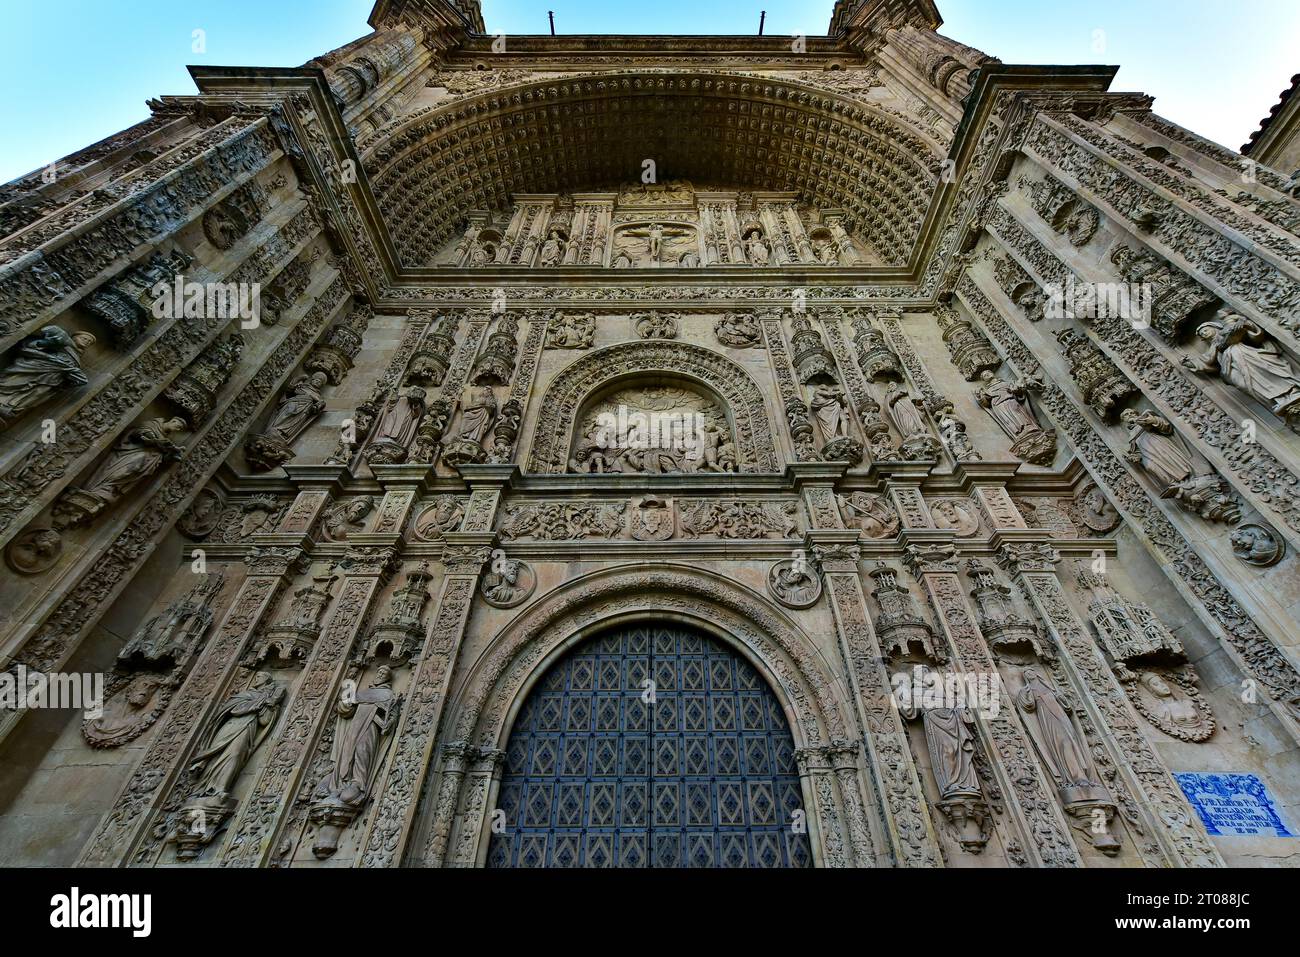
(650, 746)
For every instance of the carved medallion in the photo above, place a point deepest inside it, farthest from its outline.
(794, 583)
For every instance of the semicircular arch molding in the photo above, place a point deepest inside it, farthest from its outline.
(575, 384)
(570, 134)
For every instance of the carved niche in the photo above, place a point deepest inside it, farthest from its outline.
(698, 374)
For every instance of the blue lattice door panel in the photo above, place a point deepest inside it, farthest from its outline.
(650, 746)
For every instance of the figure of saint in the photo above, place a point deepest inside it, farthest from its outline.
(950, 739)
(127, 714)
(400, 422)
(1245, 357)
(552, 249)
(241, 724)
(1179, 711)
(1008, 405)
(907, 417)
(477, 415)
(1153, 445)
(794, 584)
(481, 253)
(755, 245)
(346, 517)
(1054, 732)
(45, 365)
(301, 404)
(364, 718)
(829, 408)
(872, 514)
(138, 455)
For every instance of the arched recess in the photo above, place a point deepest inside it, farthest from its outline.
(460, 790)
(599, 370)
(430, 169)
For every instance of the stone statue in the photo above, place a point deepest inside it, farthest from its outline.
(234, 734)
(1245, 357)
(552, 249)
(830, 410)
(1154, 446)
(756, 247)
(300, 404)
(906, 416)
(241, 724)
(398, 427)
(477, 415)
(1057, 738)
(139, 454)
(365, 719)
(45, 365)
(1008, 406)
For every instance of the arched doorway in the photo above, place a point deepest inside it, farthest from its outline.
(651, 745)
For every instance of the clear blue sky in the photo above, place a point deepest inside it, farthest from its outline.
(74, 71)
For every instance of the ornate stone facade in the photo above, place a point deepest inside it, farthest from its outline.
(893, 371)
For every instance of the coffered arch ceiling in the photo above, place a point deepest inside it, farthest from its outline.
(595, 131)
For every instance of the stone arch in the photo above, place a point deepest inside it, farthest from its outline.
(836, 149)
(565, 396)
(484, 702)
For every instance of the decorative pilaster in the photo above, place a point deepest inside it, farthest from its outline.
(1039, 821)
(1175, 826)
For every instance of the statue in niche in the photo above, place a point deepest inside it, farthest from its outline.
(47, 364)
(738, 330)
(756, 246)
(1245, 357)
(344, 517)
(365, 719)
(138, 455)
(301, 403)
(906, 416)
(553, 249)
(871, 513)
(826, 252)
(1008, 406)
(1155, 447)
(622, 260)
(830, 410)
(1063, 750)
(398, 427)
(951, 742)
(477, 415)
(235, 732)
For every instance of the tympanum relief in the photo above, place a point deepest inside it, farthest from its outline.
(654, 430)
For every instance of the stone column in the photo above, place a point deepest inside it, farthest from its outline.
(455, 758)
(1039, 821)
(909, 833)
(826, 831)
(1176, 827)
(252, 834)
(480, 786)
